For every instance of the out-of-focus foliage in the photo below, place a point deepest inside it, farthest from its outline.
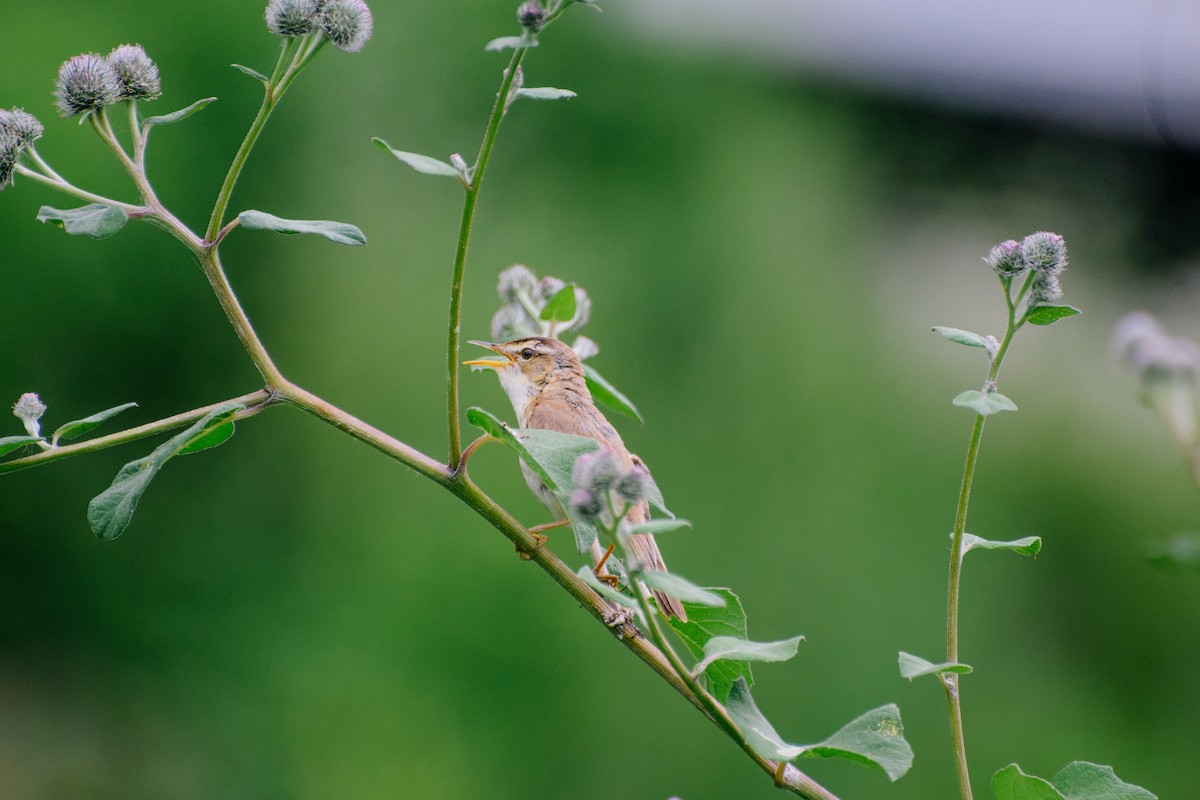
(294, 616)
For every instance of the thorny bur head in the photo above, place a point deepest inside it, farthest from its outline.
(137, 75)
(85, 83)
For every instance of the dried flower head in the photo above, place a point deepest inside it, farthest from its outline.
(291, 18)
(347, 23)
(531, 15)
(1006, 258)
(22, 124)
(85, 83)
(137, 75)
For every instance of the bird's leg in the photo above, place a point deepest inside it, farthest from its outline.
(538, 538)
(611, 580)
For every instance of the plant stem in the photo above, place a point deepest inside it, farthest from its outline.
(950, 681)
(210, 263)
(254, 402)
(453, 424)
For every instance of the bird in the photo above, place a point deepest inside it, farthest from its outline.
(544, 380)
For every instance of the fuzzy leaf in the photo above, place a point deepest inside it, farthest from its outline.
(728, 648)
(96, 220)
(509, 43)
(984, 403)
(110, 512)
(336, 232)
(494, 427)
(80, 426)
(682, 588)
(607, 395)
(1048, 315)
(10, 443)
(876, 739)
(423, 164)
(1027, 546)
(1082, 780)
(705, 623)
(656, 526)
(546, 93)
(183, 113)
(961, 337)
(253, 73)
(915, 667)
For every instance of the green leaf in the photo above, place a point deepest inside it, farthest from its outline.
(681, 588)
(1011, 783)
(80, 426)
(336, 232)
(760, 734)
(876, 739)
(656, 526)
(509, 43)
(604, 590)
(655, 498)
(110, 512)
(1048, 315)
(253, 73)
(961, 337)
(214, 438)
(607, 395)
(1082, 780)
(183, 113)
(491, 425)
(96, 220)
(10, 443)
(915, 667)
(560, 307)
(423, 164)
(984, 403)
(546, 93)
(707, 622)
(729, 648)
(1027, 546)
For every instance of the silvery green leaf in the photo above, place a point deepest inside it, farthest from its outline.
(546, 93)
(336, 232)
(80, 426)
(915, 667)
(961, 337)
(181, 114)
(729, 648)
(509, 43)
(96, 220)
(1027, 546)
(984, 403)
(681, 588)
(421, 163)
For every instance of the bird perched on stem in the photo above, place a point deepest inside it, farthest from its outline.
(544, 380)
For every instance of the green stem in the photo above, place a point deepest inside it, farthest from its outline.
(453, 423)
(210, 263)
(67, 188)
(254, 402)
(950, 681)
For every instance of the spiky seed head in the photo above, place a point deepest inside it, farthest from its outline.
(586, 505)
(22, 124)
(1046, 288)
(596, 471)
(347, 23)
(10, 149)
(1045, 252)
(137, 75)
(634, 485)
(291, 18)
(85, 83)
(1005, 258)
(531, 15)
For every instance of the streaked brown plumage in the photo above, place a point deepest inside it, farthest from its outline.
(544, 380)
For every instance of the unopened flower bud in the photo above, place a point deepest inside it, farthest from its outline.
(23, 125)
(137, 75)
(634, 485)
(1045, 252)
(85, 83)
(1006, 258)
(29, 409)
(515, 281)
(1046, 287)
(347, 23)
(586, 505)
(596, 471)
(531, 15)
(291, 18)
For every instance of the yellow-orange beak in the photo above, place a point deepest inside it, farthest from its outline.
(489, 362)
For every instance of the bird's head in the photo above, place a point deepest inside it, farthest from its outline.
(528, 365)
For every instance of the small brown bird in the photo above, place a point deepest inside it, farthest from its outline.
(544, 380)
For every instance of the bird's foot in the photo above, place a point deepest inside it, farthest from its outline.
(538, 538)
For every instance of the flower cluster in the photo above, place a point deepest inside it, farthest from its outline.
(602, 483)
(1044, 253)
(90, 81)
(18, 130)
(1167, 367)
(524, 298)
(346, 23)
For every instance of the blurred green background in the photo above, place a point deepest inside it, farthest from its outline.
(295, 616)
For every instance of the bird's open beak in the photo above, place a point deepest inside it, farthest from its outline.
(489, 362)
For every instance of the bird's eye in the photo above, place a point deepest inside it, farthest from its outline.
(527, 353)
